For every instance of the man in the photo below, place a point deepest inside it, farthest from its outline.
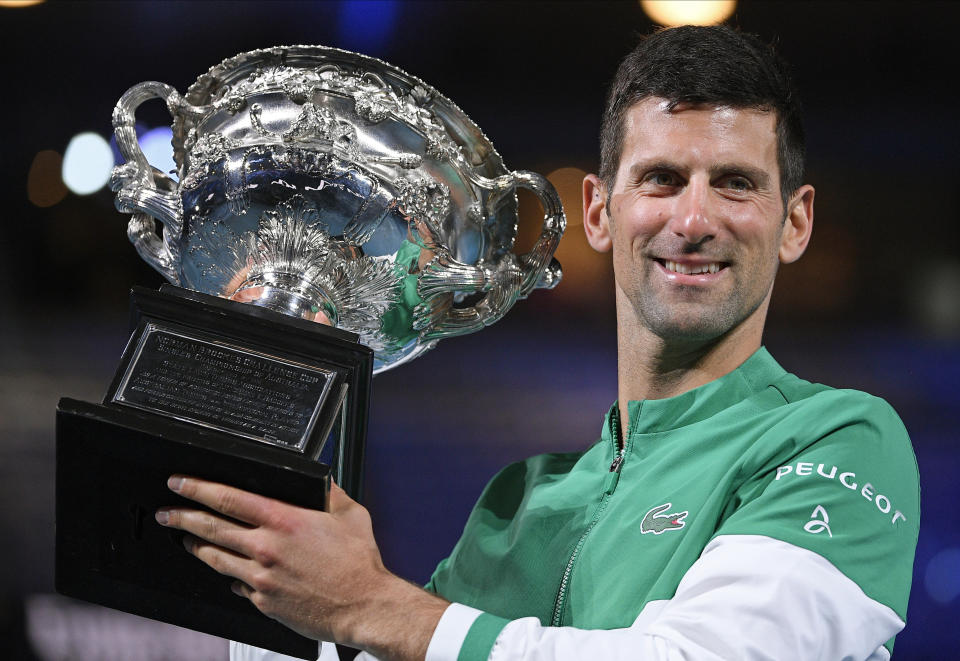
(729, 511)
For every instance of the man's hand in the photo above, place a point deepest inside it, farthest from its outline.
(319, 573)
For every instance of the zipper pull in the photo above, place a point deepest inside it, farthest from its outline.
(617, 462)
(613, 477)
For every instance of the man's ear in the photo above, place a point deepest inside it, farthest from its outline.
(596, 220)
(798, 226)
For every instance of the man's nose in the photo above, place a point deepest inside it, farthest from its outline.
(692, 219)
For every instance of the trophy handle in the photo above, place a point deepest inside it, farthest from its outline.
(513, 278)
(540, 269)
(143, 190)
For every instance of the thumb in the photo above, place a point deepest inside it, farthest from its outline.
(339, 500)
(346, 509)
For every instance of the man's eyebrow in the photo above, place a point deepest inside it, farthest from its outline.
(759, 176)
(640, 168)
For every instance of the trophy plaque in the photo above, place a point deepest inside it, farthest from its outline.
(241, 395)
(331, 216)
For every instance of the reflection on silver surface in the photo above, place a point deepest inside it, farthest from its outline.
(334, 187)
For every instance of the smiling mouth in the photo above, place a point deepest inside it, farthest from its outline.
(692, 269)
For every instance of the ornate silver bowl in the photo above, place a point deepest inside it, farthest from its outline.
(335, 187)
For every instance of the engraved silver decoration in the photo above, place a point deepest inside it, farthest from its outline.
(335, 187)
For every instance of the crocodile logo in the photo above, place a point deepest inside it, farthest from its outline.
(656, 522)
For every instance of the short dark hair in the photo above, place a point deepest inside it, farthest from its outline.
(713, 65)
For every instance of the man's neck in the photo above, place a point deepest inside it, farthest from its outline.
(650, 367)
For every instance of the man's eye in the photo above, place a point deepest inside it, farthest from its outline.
(738, 184)
(663, 179)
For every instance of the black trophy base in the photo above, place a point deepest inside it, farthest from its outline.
(112, 468)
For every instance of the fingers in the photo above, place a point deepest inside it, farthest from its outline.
(241, 589)
(206, 526)
(235, 503)
(215, 541)
(223, 561)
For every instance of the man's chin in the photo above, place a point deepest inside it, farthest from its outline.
(689, 328)
(689, 333)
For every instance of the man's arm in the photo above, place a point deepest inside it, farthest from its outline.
(319, 573)
(747, 597)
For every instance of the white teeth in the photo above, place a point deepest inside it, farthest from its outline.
(691, 270)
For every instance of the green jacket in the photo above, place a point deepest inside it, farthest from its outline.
(590, 539)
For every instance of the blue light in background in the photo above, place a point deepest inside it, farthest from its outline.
(155, 145)
(87, 163)
(366, 25)
(942, 579)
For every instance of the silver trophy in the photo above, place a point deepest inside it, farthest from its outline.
(334, 187)
(320, 184)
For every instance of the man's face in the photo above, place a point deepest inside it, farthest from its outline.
(695, 218)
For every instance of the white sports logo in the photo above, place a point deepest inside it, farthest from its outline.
(847, 480)
(817, 525)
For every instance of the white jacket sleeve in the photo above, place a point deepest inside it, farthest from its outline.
(328, 652)
(746, 597)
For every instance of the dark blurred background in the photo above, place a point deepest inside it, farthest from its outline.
(874, 305)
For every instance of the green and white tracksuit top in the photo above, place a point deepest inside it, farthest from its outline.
(759, 516)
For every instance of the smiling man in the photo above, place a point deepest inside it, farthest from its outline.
(729, 510)
(697, 223)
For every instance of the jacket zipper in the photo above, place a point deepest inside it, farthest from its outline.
(610, 484)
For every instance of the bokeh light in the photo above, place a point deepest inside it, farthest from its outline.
(942, 579)
(87, 163)
(587, 274)
(14, 4)
(826, 278)
(44, 185)
(935, 297)
(155, 145)
(688, 12)
(365, 25)
(569, 184)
